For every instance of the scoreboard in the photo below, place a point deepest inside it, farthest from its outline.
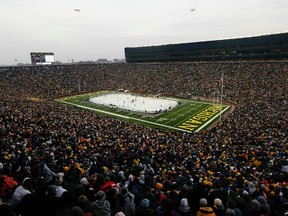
(42, 58)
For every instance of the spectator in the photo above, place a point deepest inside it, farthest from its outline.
(184, 208)
(20, 192)
(229, 212)
(127, 202)
(168, 209)
(265, 207)
(101, 206)
(144, 209)
(218, 207)
(205, 209)
(59, 181)
(84, 203)
(47, 174)
(76, 211)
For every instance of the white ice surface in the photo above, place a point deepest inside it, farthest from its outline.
(136, 103)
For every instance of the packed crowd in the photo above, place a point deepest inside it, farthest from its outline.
(60, 160)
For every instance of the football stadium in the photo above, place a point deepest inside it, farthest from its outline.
(175, 129)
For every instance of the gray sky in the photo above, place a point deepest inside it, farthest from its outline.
(103, 28)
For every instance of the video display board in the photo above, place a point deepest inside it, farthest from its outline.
(42, 58)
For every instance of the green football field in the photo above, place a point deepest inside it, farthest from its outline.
(190, 116)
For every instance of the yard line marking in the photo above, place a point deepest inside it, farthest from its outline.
(167, 115)
(180, 110)
(179, 123)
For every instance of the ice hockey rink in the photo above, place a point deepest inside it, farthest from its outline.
(134, 102)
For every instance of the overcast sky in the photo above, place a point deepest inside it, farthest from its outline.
(103, 28)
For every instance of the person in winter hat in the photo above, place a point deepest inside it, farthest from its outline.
(204, 209)
(265, 206)
(144, 208)
(229, 212)
(184, 208)
(101, 206)
(59, 182)
(218, 207)
(127, 202)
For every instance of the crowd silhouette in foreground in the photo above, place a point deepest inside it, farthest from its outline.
(61, 160)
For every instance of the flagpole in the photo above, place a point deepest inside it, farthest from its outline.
(79, 87)
(213, 101)
(222, 81)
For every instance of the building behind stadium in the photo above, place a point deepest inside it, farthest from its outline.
(272, 47)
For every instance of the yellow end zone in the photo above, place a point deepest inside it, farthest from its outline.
(203, 118)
